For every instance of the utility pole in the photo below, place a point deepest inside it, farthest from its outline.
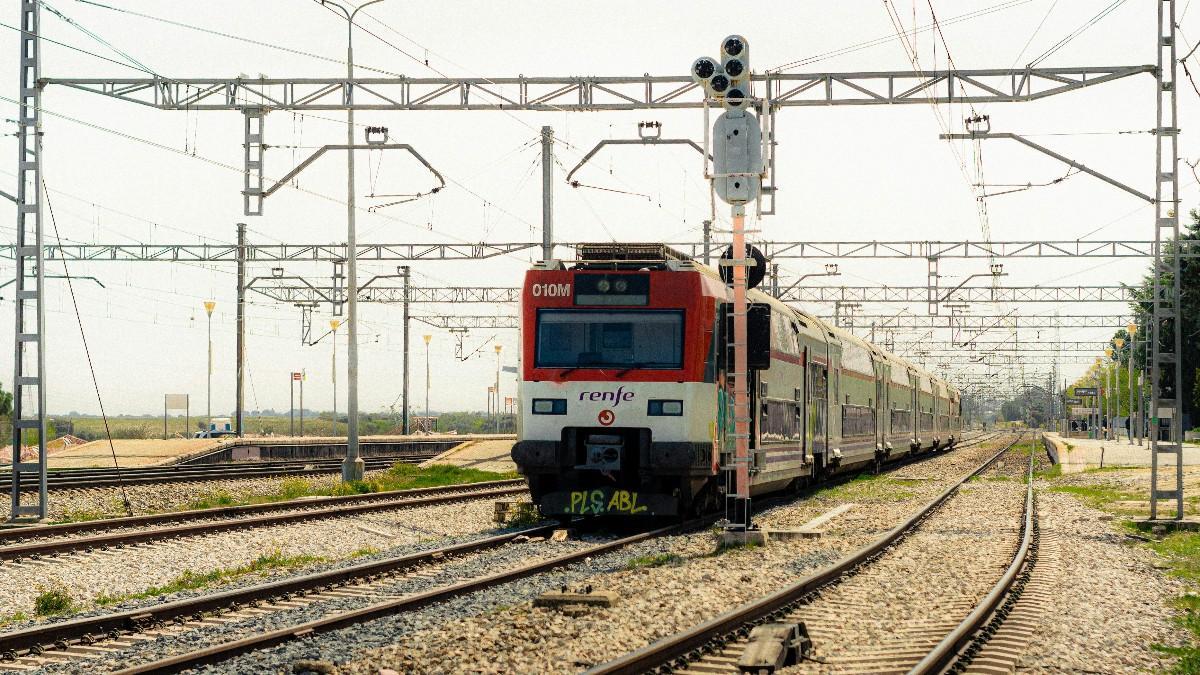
(547, 193)
(303, 377)
(707, 241)
(406, 273)
(209, 306)
(427, 338)
(352, 468)
(333, 326)
(241, 327)
(1166, 346)
(498, 349)
(292, 405)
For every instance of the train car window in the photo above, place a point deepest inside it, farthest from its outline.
(573, 338)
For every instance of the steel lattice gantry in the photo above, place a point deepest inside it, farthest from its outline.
(292, 293)
(468, 321)
(977, 294)
(593, 93)
(398, 252)
(976, 322)
(307, 294)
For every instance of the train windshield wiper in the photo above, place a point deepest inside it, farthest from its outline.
(567, 371)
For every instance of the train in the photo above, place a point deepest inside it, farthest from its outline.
(626, 405)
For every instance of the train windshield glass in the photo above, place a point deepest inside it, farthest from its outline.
(569, 338)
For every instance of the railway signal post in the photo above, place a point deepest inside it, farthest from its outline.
(736, 176)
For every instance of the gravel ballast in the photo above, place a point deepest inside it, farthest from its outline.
(134, 569)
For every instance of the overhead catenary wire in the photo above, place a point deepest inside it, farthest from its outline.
(1075, 33)
(91, 366)
(125, 55)
(875, 42)
(298, 52)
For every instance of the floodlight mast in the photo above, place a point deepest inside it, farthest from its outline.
(353, 466)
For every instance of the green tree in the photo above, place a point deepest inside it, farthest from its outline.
(6, 402)
(1189, 302)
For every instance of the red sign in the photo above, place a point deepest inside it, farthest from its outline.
(606, 417)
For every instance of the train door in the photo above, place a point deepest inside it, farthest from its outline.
(915, 407)
(816, 431)
(880, 406)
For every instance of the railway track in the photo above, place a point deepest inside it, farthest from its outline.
(94, 637)
(854, 596)
(97, 637)
(64, 479)
(47, 540)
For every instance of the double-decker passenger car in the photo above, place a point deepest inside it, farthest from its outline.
(625, 394)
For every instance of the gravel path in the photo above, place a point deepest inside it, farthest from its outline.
(1111, 605)
(134, 569)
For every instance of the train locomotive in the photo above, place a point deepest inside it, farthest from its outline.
(626, 403)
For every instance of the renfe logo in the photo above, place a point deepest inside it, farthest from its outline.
(614, 397)
(551, 290)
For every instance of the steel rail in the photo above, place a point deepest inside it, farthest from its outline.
(221, 652)
(950, 647)
(695, 641)
(111, 479)
(29, 550)
(36, 639)
(38, 531)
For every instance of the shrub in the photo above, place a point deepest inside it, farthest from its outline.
(52, 601)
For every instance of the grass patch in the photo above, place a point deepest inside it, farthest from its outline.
(1099, 496)
(15, 617)
(867, 487)
(1181, 550)
(364, 552)
(653, 561)
(399, 477)
(212, 500)
(1053, 472)
(190, 580)
(81, 516)
(52, 602)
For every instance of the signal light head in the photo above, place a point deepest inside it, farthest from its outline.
(719, 83)
(704, 68)
(734, 67)
(733, 45)
(735, 98)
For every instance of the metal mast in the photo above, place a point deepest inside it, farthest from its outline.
(29, 363)
(1165, 340)
(547, 193)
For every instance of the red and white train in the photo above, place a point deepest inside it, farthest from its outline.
(625, 405)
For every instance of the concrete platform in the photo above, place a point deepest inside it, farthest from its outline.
(1078, 454)
(485, 454)
(156, 452)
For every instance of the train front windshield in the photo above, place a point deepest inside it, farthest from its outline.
(580, 338)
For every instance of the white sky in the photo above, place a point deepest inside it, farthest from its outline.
(848, 172)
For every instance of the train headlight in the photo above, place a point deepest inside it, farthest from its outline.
(661, 408)
(603, 285)
(621, 285)
(549, 406)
